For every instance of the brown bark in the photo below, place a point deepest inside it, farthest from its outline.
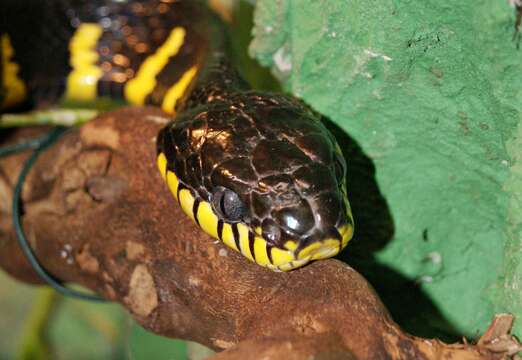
(98, 214)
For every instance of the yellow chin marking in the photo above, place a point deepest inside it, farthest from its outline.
(261, 252)
(281, 257)
(83, 79)
(346, 233)
(173, 183)
(228, 236)
(186, 200)
(137, 89)
(14, 86)
(310, 249)
(177, 90)
(244, 243)
(293, 264)
(162, 166)
(320, 250)
(207, 219)
(291, 245)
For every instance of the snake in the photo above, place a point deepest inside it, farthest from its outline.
(258, 171)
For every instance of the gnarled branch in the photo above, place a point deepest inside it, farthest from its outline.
(97, 213)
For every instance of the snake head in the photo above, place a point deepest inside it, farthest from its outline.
(261, 173)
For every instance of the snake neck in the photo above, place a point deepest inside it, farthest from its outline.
(217, 77)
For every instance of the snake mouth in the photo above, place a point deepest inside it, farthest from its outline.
(316, 251)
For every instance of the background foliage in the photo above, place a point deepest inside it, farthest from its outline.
(428, 96)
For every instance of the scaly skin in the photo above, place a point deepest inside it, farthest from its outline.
(258, 171)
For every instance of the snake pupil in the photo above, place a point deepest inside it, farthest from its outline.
(222, 204)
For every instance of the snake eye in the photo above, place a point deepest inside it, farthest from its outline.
(228, 205)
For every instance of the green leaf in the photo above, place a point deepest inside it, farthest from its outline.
(145, 345)
(428, 96)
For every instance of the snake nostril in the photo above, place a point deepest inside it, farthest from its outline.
(271, 231)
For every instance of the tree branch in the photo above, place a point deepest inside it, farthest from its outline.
(97, 213)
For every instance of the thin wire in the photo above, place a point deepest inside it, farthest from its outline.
(13, 149)
(42, 144)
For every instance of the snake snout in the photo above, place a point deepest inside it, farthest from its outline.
(325, 245)
(328, 240)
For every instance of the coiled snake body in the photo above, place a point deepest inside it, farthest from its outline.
(258, 171)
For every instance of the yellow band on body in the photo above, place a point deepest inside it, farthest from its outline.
(137, 89)
(177, 90)
(82, 82)
(15, 89)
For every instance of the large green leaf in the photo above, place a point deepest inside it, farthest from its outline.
(431, 91)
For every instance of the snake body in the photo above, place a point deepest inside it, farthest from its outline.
(258, 171)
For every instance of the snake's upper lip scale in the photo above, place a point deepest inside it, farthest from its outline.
(325, 248)
(318, 250)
